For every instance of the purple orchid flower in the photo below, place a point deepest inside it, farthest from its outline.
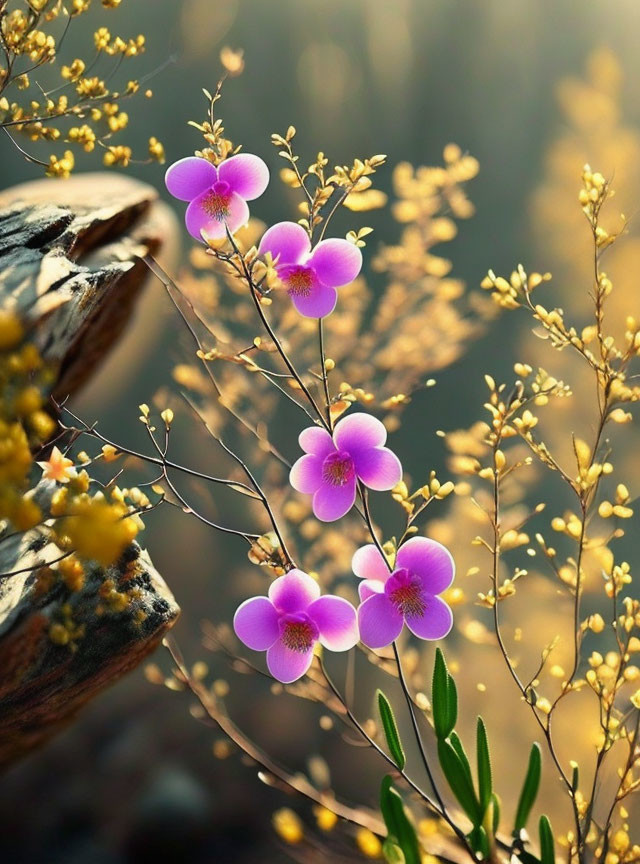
(217, 196)
(332, 465)
(311, 277)
(288, 623)
(405, 595)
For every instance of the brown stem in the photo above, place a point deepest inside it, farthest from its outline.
(272, 334)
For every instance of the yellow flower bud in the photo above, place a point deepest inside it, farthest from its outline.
(288, 826)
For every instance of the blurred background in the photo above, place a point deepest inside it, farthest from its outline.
(533, 89)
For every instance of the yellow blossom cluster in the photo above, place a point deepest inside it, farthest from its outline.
(86, 526)
(423, 496)
(218, 146)
(346, 185)
(24, 422)
(22, 38)
(105, 42)
(117, 155)
(61, 166)
(93, 526)
(504, 454)
(84, 136)
(87, 114)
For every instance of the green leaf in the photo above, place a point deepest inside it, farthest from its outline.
(452, 702)
(480, 843)
(459, 779)
(527, 857)
(456, 743)
(444, 698)
(385, 807)
(393, 854)
(391, 730)
(495, 821)
(401, 831)
(547, 847)
(529, 788)
(485, 784)
(439, 696)
(407, 837)
(575, 775)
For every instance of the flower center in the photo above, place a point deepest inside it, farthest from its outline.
(298, 632)
(404, 589)
(299, 280)
(217, 200)
(337, 468)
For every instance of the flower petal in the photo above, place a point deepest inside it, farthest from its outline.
(368, 563)
(378, 468)
(286, 241)
(306, 474)
(368, 587)
(435, 623)
(247, 175)
(336, 262)
(379, 621)
(336, 620)
(286, 665)
(190, 177)
(316, 440)
(430, 560)
(199, 221)
(359, 431)
(319, 302)
(293, 592)
(332, 502)
(256, 623)
(238, 213)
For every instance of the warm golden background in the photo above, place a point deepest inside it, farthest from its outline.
(533, 89)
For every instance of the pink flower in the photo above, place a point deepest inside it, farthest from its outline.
(332, 465)
(288, 623)
(408, 594)
(218, 196)
(311, 277)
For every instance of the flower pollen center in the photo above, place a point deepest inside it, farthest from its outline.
(405, 591)
(217, 200)
(299, 281)
(298, 632)
(337, 468)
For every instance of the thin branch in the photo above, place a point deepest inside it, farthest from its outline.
(272, 334)
(296, 782)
